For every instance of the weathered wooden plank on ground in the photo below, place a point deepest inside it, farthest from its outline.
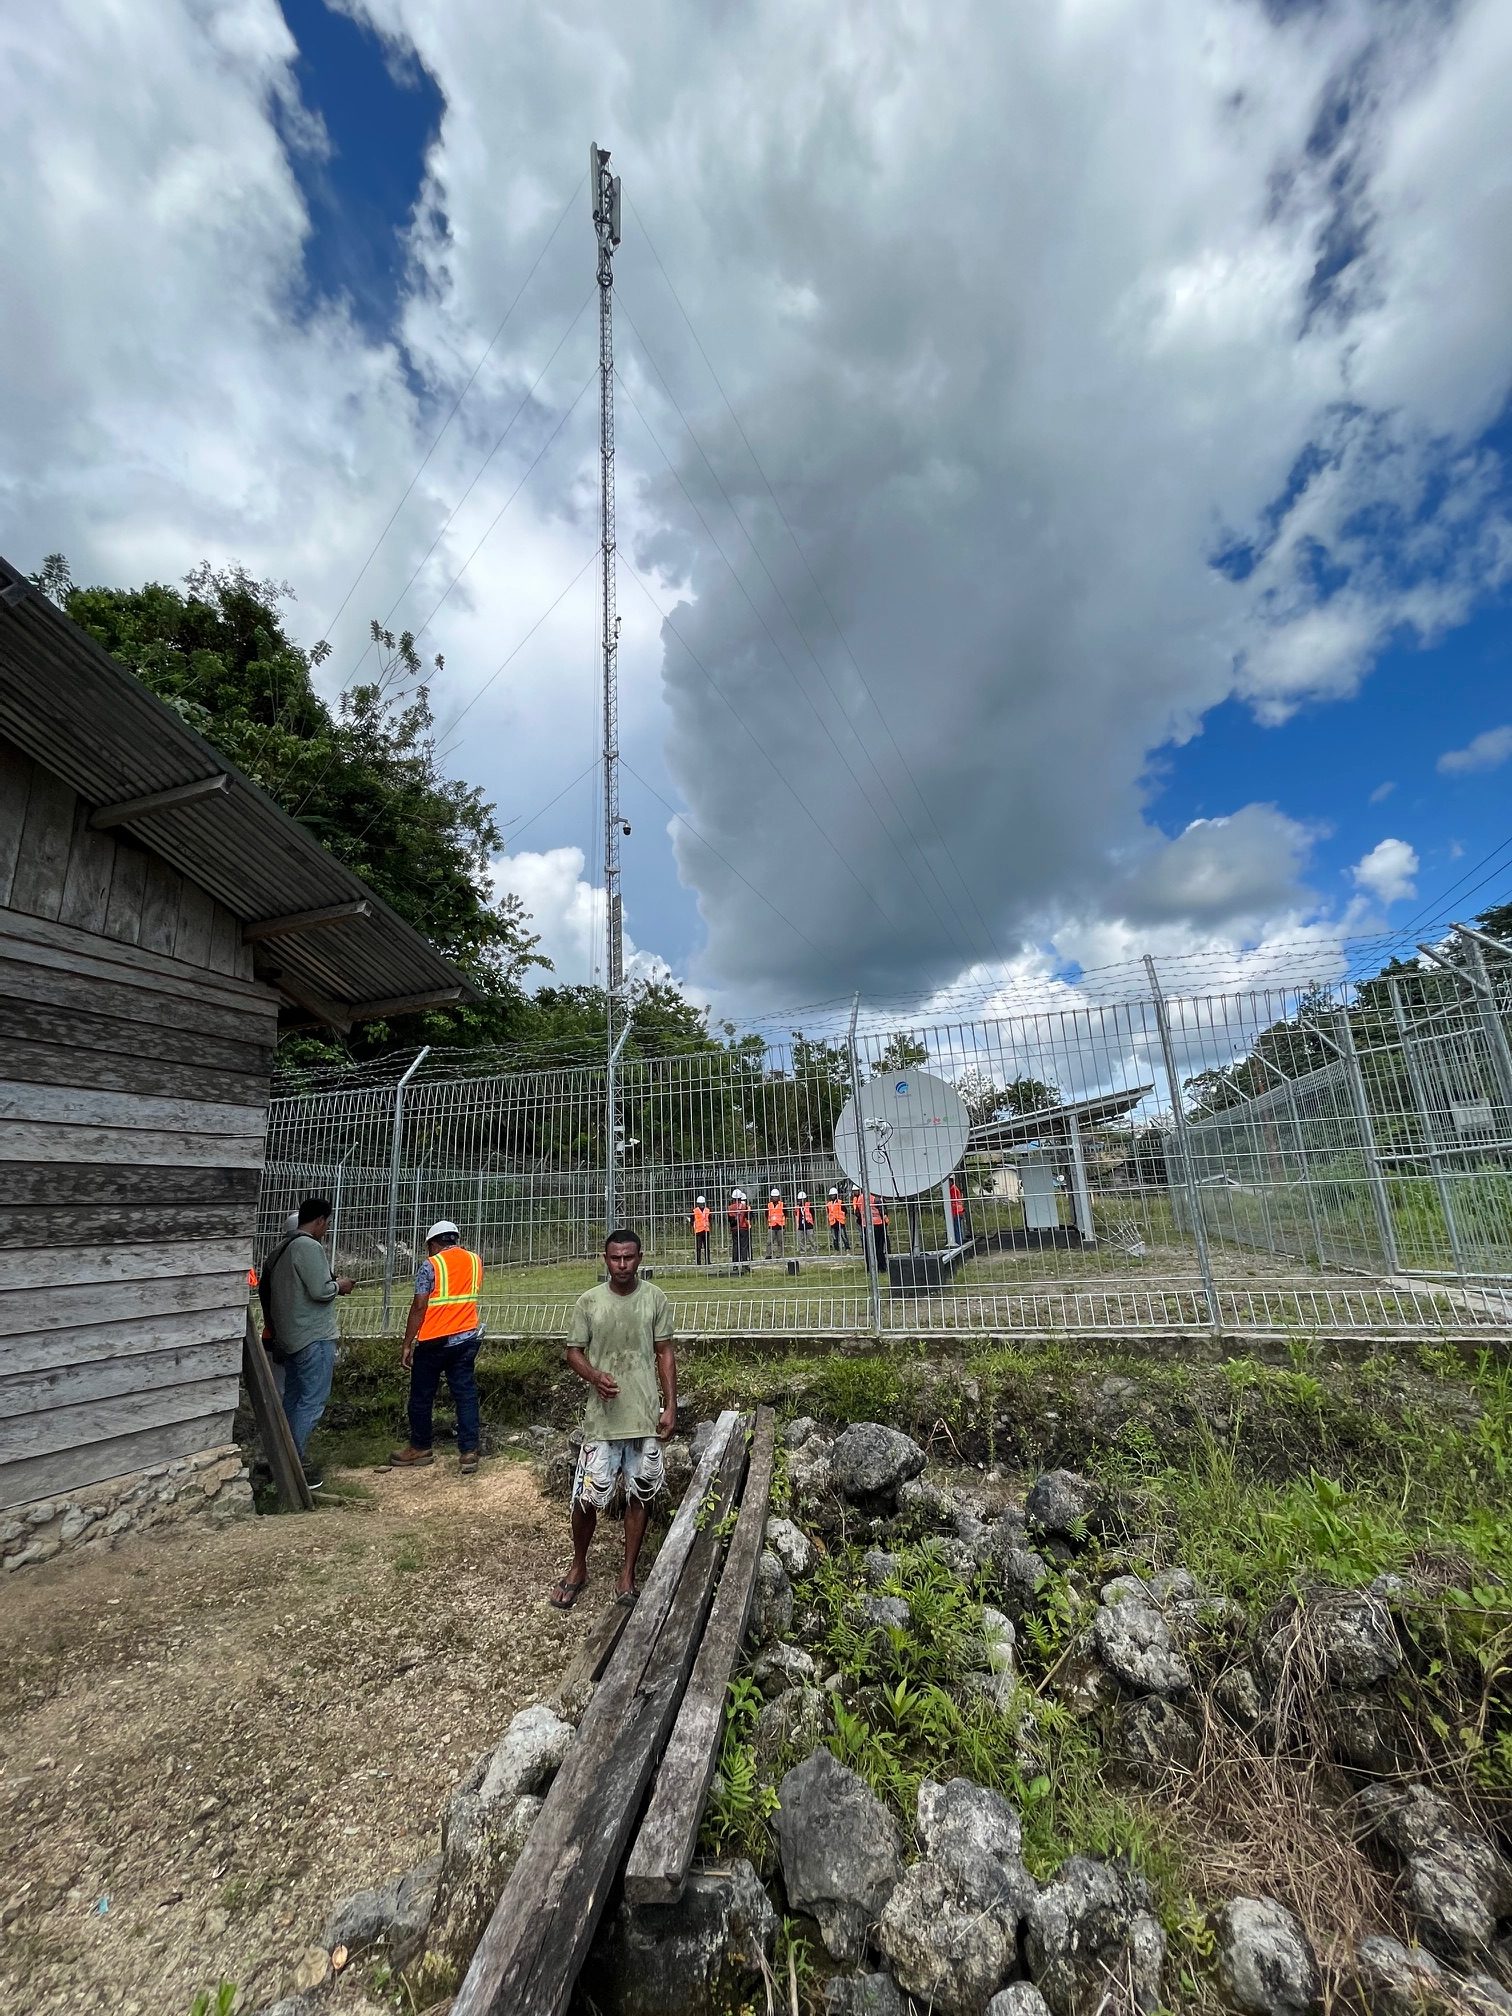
(273, 1425)
(595, 1652)
(535, 1942)
(657, 1870)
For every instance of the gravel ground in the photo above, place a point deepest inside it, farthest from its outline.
(206, 1741)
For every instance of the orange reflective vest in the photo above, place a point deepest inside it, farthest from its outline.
(453, 1307)
(777, 1215)
(251, 1277)
(700, 1218)
(805, 1213)
(834, 1212)
(957, 1201)
(739, 1216)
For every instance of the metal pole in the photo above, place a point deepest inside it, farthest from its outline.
(336, 1200)
(868, 1243)
(1430, 1134)
(393, 1196)
(1307, 1195)
(611, 1140)
(1081, 1189)
(1375, 1175)
(604, 190)
(1183, 1145)
(1491, 1024)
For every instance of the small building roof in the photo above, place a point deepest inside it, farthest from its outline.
(1054, 1122)
(322, 937)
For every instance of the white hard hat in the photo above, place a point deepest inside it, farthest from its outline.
(833, 1191)
(737, 1192)
(441, 1228)
(700, 1200)
(803, 1196)
(291, 1223)
(776, 1193)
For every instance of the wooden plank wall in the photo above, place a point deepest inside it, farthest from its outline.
(135, 1053)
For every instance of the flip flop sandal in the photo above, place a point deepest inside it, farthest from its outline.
(564, 1593)
(626, 1599)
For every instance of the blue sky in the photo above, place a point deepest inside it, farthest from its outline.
(1260, 309)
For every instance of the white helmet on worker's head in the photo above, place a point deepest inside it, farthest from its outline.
(443, 1229)
(833, 1191)
(776, 1192)
(738, 1192)
(700, 1200)
(803, 1196)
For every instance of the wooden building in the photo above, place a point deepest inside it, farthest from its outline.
(160, 920)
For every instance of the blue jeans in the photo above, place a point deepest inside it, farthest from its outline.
(457, 1362)
(307, 1387)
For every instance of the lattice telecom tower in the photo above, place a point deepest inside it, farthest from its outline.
(604, 189)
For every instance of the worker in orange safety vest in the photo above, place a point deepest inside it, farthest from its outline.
(738, 1211)
(701, 1221)
(805, 1223)
(839, 1231)
(776, 1225)
(442, 1338)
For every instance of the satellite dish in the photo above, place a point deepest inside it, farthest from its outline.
(912, 1133)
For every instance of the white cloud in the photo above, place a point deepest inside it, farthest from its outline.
(1387, 872)
(1382, 792)
(1486, 751)
(567, 913)
(1022, 331)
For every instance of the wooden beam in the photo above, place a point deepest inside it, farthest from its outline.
(273, 1425)
(404, 1004)
(529, 1956)
(658, 1867)
(304, 920)
(593, 1655)
(106, 816)
(326, 1013)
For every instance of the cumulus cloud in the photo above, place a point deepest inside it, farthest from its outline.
(1387, 872)
(1075, 395)
(1486, 751)
(567, 913)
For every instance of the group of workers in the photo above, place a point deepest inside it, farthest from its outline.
(738, 1216)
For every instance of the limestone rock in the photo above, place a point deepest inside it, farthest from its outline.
(1155, 1738)
(804, 1429)
(1133, 1641)
(924, 1509)
(884, 1613)
(810, 1474)
(782, 1666)
(772, 1610)
(1457, 1884)
(1361, 1730)
(999, 1640)
(879, 1567)
(313, 1970)
(963, 1825)
(697, 1957)
(1265, 1960)
(1349, 1633)
(839, 1851)
(480, 1845)
(950, 1935)
(1019, 1998)
(794, 1721)
(1397, 1980)
(531, 1754)
(1479, 1995)
(871, 1463)
(1064, 1505)
(1237, 1693)
(791, 1545)
(863, 1995)
(396, 1916)
(1091, 1932)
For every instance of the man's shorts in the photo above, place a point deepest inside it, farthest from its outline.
(605, 1468)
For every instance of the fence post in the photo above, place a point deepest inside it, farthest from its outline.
(1430, 1135)
(1183, 1145)
(868, 1239)
(1375, 1175)
(1491, 1024)
(395, 1151)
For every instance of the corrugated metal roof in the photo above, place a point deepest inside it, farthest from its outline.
(73, 708)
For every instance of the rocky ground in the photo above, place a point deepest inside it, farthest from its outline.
(205, 1739)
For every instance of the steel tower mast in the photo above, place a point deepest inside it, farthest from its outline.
(605, 191)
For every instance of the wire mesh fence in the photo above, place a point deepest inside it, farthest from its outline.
(1268, 1162)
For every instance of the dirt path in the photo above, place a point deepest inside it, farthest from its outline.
(207, 1741)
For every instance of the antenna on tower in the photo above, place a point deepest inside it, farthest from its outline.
(605, 191)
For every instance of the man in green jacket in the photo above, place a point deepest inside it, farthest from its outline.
(299, 1291)
(621, 1347)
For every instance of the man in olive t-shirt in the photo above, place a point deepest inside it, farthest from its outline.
(621, 1348)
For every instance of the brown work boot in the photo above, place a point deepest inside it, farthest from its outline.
(409, 1458)
(467, 1462)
